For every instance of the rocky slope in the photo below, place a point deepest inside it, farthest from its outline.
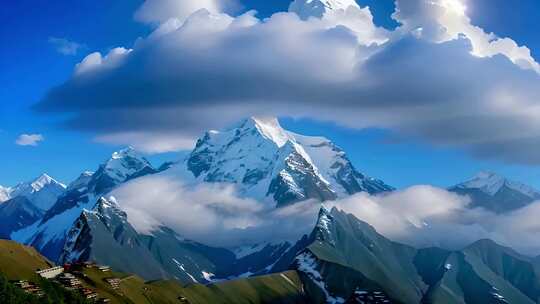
(347, 260)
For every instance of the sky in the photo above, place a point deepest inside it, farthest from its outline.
(62, 113)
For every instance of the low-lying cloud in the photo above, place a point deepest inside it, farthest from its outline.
(210, 213)
(421, 216)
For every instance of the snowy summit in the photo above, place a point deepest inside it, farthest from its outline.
(269, 163)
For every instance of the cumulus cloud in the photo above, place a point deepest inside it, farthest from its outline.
(65, 46)
(445, 20)
(421, 216)
(29, 139)
(437, 78)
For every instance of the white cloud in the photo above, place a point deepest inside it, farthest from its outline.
(444, 20)
(95, 61)
(471, 90)
(29, 139)
(210, 213)
(420, 216)
(65, 46)
(425, 216)
(148, 142)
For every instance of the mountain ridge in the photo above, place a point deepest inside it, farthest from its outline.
(271, 164)
(496, 193)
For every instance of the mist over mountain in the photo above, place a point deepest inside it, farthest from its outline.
(245, 202)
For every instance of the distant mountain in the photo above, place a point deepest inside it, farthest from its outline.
(42, 192)
(49, 234)
(26, 203)
(496, 193)
(347, 260)
(271, 164)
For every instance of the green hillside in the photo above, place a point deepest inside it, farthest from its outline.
(285, 288)
(18, 262)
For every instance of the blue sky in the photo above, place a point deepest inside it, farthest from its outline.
(31, 66)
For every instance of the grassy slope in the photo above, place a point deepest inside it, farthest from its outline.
(275, 288)
(20, 262)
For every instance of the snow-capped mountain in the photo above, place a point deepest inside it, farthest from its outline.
(317, 8)
(4, 194)
(268, 163)
(258, 156)
(497, 193)
(49, 234)
(26, 203)
(42, 192)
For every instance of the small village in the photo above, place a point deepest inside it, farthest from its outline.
(71, 276)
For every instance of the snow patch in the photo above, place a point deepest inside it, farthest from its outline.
(208, 276)
(307, 263)
(181, 267)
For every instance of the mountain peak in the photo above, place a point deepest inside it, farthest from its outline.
(487, 175)
(269, 163)
(42, 191)
(317, 8)
(491, 182)
(44, 180)
(268, 127)
(126, 152)
(486, 181)
(125, 163)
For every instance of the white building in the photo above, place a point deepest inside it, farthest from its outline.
(51, 273)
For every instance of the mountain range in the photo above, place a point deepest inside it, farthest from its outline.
(343, 259)
(348, 261)
(260, 158)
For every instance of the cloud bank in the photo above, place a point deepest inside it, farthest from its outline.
(210, 213)
(421, 216)
(437, 77)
